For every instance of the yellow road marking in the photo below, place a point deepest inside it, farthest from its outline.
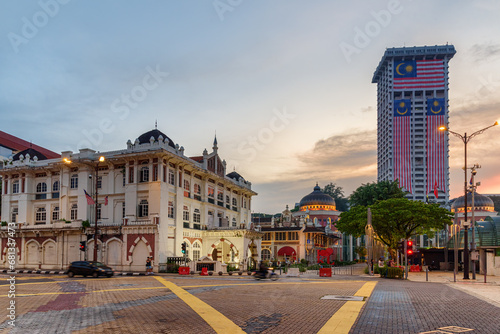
(214, 318)
(342, 321)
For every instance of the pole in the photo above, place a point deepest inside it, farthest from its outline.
(406, 259)
(95, 213)
(456, 239)
(466, 229)
(473, 223)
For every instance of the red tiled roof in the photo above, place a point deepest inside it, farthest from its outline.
(18, 144)
(197, 159)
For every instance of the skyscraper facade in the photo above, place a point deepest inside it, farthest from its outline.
(412, 94)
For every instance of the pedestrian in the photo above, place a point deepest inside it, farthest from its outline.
(148, 265)
(381, 262)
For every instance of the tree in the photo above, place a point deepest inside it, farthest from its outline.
(369, 193)
(395, 219)
(337, 193)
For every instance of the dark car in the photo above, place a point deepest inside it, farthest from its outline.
(89, 268)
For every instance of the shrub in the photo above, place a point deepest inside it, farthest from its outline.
(302, 269)
(230, 268)
(395, 272)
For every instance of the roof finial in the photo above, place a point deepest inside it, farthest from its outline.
(156, 124)
(215, 142)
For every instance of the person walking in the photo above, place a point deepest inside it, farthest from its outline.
(148, 265)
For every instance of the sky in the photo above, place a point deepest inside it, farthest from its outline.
(285, 85)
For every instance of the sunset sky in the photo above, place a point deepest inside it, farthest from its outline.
(286, 85)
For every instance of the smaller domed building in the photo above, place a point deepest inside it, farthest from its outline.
(483, 207)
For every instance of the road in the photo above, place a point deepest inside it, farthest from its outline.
(239, 304)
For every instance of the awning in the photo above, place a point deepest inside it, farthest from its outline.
(287, 250)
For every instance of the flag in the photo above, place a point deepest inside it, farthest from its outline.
(436, 189)
(106, 200)
(401, 143)
(90, 200)
(419, 74)
(437, 154)
(471, 177)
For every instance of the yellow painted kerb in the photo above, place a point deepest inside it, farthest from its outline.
(214, 318)
(343, 320)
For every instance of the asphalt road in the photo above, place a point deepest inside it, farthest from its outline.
(239, 304)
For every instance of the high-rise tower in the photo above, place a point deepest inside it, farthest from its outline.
(412, 94)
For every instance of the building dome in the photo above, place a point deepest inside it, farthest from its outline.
(480, 201)
(32, 154)
(317, 200)
(155, 133)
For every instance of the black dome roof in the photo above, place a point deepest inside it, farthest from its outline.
(32, 152)
(479, 200)
(317, 198)
(235, 176)
(144, 138)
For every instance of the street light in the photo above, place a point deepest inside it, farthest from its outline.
(465, 140)
(100, 159)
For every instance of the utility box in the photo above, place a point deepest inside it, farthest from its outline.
(183, 270)
(325, 272)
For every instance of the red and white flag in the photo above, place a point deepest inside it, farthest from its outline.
(90, 200)
(106, 200)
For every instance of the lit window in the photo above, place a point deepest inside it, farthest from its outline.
(197, 189)
(220, 195)
(211, 192)
(187, 189)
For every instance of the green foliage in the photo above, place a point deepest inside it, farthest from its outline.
(303, 261)
(172, 268)
(391, 272)
(338, 195)
(370, 193)
(4, 223)
(360, 251)
(353, 222)
(230, 268)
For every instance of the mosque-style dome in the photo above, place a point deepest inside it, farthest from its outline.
(481, 202)
(155, 133)
(317, 200)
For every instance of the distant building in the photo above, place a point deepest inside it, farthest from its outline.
(10, 145)
(308, 233)
(412, 102)
(483, 207)
(151, 199)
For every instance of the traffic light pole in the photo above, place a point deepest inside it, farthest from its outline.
(406, 259)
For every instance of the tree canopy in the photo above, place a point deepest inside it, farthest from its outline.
(368, 194)
(395, 219)
(338, 195)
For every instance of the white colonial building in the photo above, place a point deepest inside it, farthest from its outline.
(151, 199)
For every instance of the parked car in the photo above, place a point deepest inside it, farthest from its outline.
(89, 268)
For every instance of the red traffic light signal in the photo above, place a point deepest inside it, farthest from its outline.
(409, 247)
(82, 246)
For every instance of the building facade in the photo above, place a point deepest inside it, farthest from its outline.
(412, 102)
(149, 199)
(308, 233)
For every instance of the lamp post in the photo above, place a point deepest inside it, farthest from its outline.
(96, 167)
(369, 241)
(473, 187)
(465, 139)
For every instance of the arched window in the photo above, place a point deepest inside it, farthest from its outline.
(197, 189)
(220, 195)
(196, 216)
(144, 174)
(74, 181)
(187, 189)
(41, 215)
(227, 199)
(265, 255)
(55, 186)
(143, 208)
(196, 251)
(185, 213)
(15, 187)
(41, 187)
(74, 212)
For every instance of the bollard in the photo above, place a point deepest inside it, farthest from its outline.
(427, 274)
(454, 275)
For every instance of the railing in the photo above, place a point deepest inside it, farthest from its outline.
(140, 222)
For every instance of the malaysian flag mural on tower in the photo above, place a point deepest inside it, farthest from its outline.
(419, 74)
(436, 146)
(402, 143)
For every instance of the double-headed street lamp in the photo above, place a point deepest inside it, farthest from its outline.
(465, 139)
(96, 167)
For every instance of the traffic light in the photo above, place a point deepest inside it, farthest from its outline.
(409, 247)
(82, 246)
(183, 247)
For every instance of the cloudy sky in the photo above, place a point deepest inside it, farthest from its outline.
(286, 85)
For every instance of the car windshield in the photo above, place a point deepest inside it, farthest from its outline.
(97, 264)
